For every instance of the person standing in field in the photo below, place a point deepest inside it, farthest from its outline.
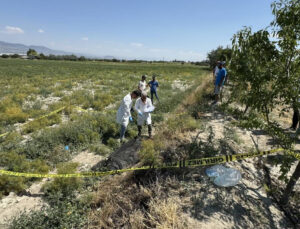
(144, 107)
(295, 120)
(226, 76)
(142, 84)
(153, 84)
(219, 82)
(124, 114)
(215, 72)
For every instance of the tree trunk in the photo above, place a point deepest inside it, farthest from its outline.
(290, 186)
(246, 109)
(267, 114)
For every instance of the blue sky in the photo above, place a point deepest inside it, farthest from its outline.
(143, 29)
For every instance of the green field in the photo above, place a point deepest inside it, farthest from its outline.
(31, 89)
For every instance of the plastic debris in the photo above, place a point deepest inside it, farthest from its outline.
(215, 171)
(229, 178)
(67, 148)
(224, 177)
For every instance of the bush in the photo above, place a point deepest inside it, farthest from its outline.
(18, 163)
(13, 115)
(10, 141)
(77, 134)
(182, 123)
(71, 214)
(100, 149)
(113, 143)
(63, 187)
(11, 184)
(41, 123)
(149, 153)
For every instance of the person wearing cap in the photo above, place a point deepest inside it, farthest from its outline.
(142, 84)
(124, 114)
(144, 107)
(219, 82)
(153, 84)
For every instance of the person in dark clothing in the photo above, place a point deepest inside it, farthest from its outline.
(295, 117)
(153, 84)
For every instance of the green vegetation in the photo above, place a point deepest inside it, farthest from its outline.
(265, 74)
(31, 89)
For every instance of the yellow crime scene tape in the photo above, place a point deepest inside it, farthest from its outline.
(39, 118)
(178, 164)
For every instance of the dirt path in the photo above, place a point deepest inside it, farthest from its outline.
(246, 205)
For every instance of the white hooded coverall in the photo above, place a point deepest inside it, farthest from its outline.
(123, 113)
(141, 107)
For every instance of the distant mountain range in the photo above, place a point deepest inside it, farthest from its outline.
(6, 47)
(12, 48)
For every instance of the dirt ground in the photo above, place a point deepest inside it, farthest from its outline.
(246, 205)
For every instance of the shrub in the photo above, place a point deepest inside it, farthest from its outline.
(113, 143)
(18, 163)
(149, 153)
(100, 149)
(49, 144)
(101, 101)
(13, 115)
(72, 214)
(41, 123)
(182, 123)
(10, 141)
(11, 184)
(44, 92)
(64, 186)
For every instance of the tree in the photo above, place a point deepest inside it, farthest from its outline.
(267, 73)
(82, 58)
(253, 69)
(32, 52)
(219, 54)
(42, 56)
(15, 56)
(287, 30)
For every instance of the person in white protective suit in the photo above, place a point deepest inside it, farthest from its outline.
(144, 107)
(143, 84)
(124, 114)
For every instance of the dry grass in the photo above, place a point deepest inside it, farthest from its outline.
(114, 201)
(122, 203)
(166, 213)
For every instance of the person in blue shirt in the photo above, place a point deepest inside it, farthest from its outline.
(153, 84)
(219, 82)
(226, 74)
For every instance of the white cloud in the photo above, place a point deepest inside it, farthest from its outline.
(134, 44)
(13, 30)
(85, 38)
(41, 31)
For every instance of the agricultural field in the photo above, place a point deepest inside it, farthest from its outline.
(47, 105)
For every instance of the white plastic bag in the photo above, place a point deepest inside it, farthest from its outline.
(230, 177)
(215, 171)
(223, 176)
